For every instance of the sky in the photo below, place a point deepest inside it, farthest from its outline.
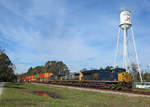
(81, 33)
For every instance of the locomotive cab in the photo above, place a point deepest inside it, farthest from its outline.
(123, 76)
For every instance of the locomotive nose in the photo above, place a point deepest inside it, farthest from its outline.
(124, 77)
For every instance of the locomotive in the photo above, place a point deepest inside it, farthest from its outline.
(116, 78)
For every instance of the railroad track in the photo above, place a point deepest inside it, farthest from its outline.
(136, 92)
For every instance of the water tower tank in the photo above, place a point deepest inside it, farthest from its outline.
(125, 19)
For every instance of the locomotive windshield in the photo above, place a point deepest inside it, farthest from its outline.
(119, 70)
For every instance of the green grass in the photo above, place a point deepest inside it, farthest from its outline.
(20, 95)
(141, 89)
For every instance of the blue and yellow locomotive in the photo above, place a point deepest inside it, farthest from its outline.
(116, 78)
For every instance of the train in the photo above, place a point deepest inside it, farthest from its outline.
(115, 78)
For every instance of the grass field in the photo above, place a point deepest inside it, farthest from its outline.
(23, 95)
(141, 89)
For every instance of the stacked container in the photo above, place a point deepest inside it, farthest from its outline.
(26, 79)
(34, 78)
(46, 77)
(35, 75)
(30, 78)
(42, 77)
(38, 77)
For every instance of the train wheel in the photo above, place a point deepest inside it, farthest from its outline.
(113, 87)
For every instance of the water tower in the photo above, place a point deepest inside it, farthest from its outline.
(125, 25)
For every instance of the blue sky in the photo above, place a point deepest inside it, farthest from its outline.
(81, 33)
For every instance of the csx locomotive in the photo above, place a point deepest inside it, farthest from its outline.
(116, 78)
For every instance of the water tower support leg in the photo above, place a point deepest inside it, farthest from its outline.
(137, 59)
(116, 52)
(125, 50)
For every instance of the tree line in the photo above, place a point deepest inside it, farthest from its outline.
(55, 67)
(136, 75)
(6, 68)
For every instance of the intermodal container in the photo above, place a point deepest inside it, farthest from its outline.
(50, 74)
(46, 75)
(30, 78)
(33, 79)
(34, 76)
(41, 79)
(42, 75)
(26, 78)
(38, 76)
(37, 80)
(46, 80)
(23, 78)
